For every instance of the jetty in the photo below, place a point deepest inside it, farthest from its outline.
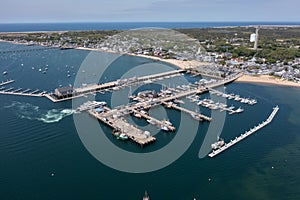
(245, 135)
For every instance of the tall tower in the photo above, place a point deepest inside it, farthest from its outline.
(256, 38)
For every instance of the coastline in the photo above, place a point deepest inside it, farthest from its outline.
(266, 79)
(178, 63)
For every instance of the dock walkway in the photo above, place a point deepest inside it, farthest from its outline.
(245, 135)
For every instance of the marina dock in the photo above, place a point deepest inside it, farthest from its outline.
(195, 115)
(245, 135)
(233, 97)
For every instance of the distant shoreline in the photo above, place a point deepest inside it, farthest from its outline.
(264, 79)
(101, 26)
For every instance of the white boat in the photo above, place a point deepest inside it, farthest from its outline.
(196, 117)
(231, 107)
(123, 136)
(150, 121)
(239, 110)
(164, 128)
(5, 72)
(167, 122)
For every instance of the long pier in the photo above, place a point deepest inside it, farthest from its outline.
(114, 85)
(245, 135)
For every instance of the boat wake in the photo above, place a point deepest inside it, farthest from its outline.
(32, 112)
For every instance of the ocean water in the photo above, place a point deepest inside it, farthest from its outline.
(124, 25)
(38, 138)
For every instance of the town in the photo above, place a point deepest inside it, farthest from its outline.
(276, 53)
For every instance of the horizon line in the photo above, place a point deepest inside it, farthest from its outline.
(56, 22)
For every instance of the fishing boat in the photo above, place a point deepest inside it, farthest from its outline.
(119, 135)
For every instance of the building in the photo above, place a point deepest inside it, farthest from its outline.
(63, 92)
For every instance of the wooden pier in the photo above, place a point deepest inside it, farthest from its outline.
(245, 135)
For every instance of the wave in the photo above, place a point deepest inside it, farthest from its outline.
(33, 112)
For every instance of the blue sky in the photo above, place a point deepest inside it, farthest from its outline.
(12, 11)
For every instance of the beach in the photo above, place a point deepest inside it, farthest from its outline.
(265, 79)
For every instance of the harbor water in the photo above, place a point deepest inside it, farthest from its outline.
(42, 156)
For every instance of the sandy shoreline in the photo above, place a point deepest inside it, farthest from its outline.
(178, 63)
(265, 79)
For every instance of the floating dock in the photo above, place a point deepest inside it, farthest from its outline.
(245, 135)
(6, 82)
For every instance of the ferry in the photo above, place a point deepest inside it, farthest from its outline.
(90, 105)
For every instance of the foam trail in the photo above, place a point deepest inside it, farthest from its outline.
(32, 112)
(55, 115)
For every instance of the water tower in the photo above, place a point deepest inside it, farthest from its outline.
(254, 38)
